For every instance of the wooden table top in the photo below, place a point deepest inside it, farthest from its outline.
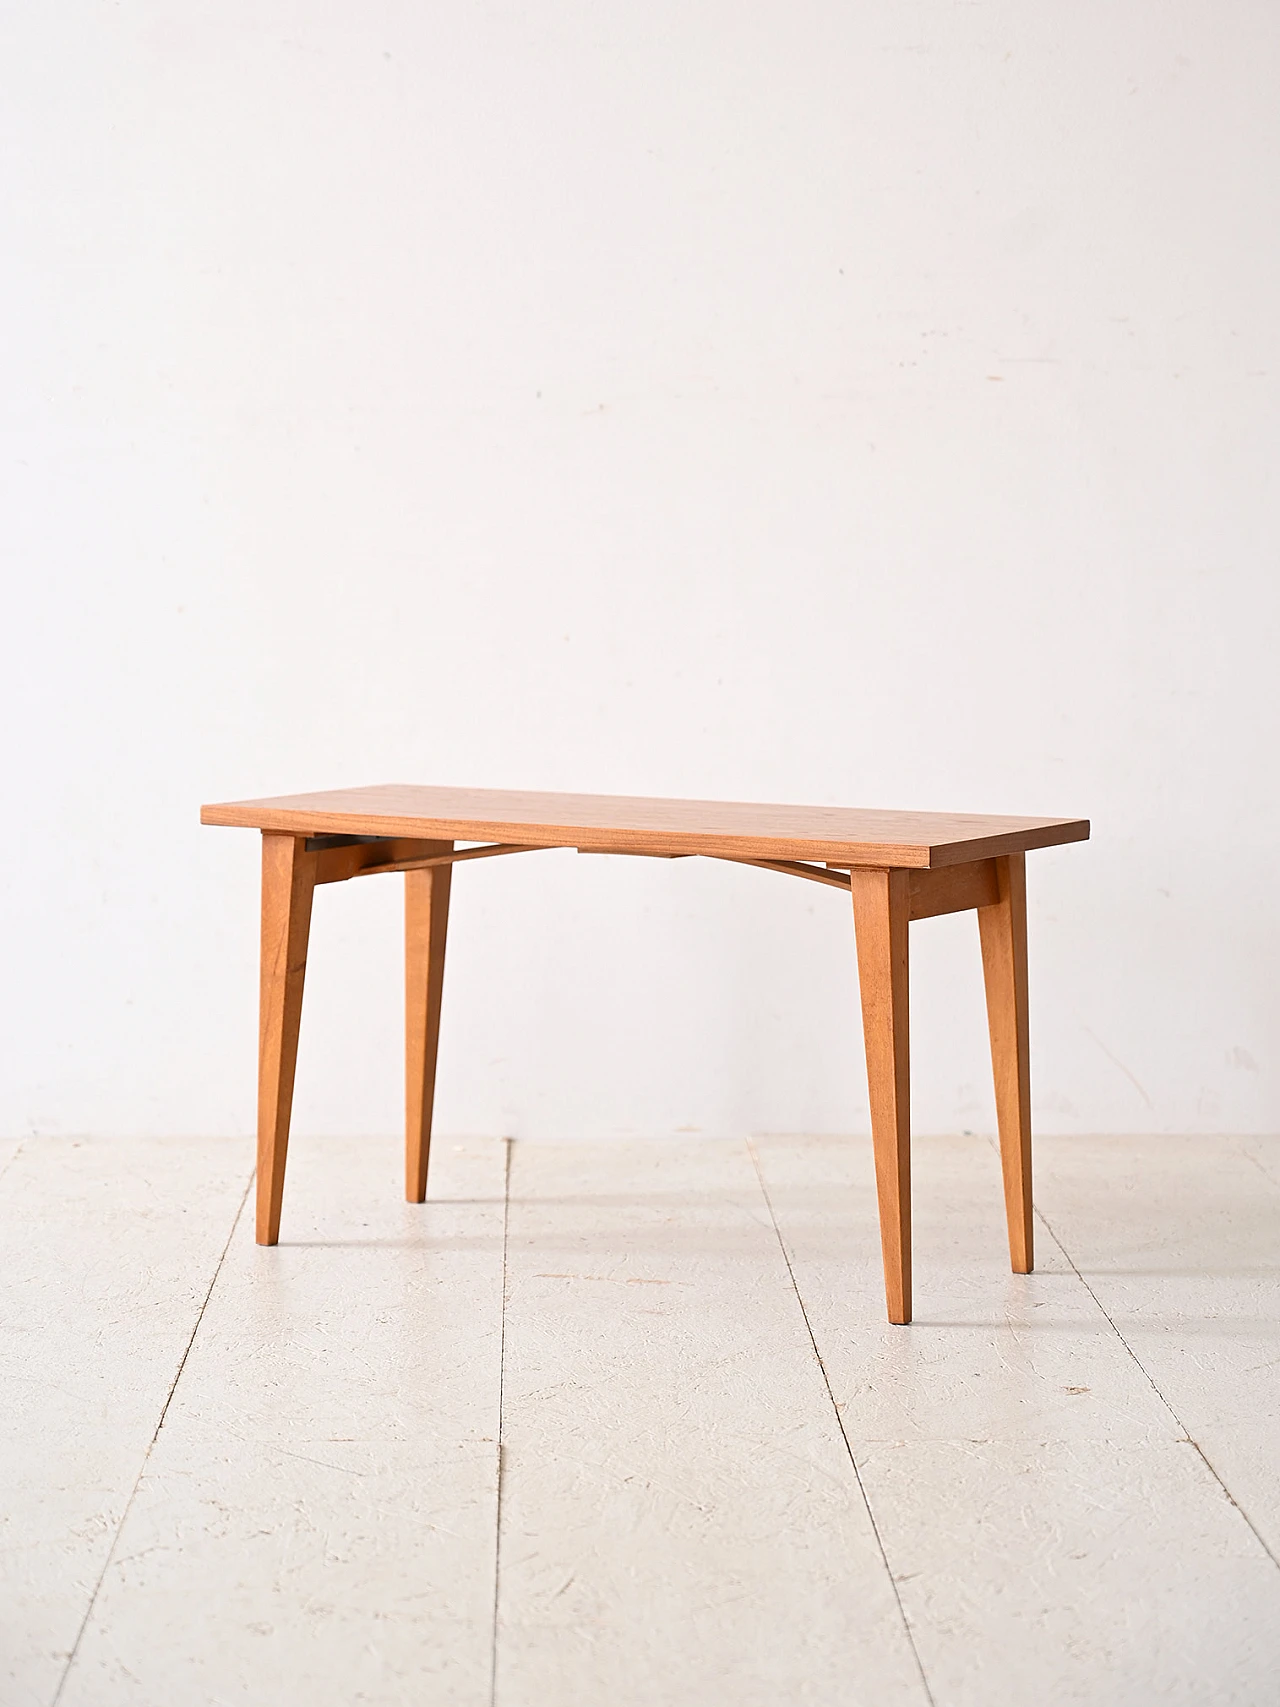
(619, 823)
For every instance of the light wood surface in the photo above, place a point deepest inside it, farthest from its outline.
(288, 883)
(898, 867)
(359, 859)
(401, 853)
(426, 921)
(834, 879)
(620, 823)
(953, 889)
(881, 913)
(1003, 929)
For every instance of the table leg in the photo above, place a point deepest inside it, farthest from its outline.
(1003, 929)
(426, 919)
(881, 911)
(288, 882)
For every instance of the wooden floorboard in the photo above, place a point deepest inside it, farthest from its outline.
(1054, 1535)
(317, 1520)
(722, 1476)
(1182, 1250)
(680, 1516)
(108, 1252)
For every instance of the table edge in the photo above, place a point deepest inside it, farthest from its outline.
(881, 855)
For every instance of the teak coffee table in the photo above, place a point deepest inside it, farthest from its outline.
(898, 866)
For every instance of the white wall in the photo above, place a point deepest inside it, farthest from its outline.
(870, 403)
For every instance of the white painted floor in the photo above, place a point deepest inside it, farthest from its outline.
(685, 1461)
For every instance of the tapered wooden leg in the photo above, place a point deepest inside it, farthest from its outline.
(426, 920)
(881, 910)
(1003, 929)
(288, 881)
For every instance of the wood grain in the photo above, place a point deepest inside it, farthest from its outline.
(336, 865)
(623, 824)
(881, 913)
(623, 852)
(288, 883)
(900, 866)
(1003, 930)
(953, 889)
(426, 920)
(834, 879)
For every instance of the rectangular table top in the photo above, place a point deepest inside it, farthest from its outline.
(619, 823)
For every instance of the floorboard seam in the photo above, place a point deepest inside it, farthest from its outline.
(1261, 1166)
(22, 1144)
(502, 1371)
(1155, 1388)
(848, 1445)
(146, 1457)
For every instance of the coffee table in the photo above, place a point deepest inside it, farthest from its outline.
(897, 867)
